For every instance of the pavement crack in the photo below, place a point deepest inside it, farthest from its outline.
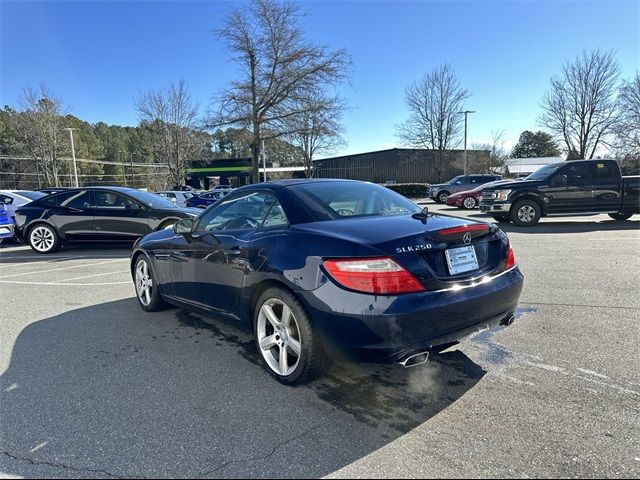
(62, 466)
(262, 457)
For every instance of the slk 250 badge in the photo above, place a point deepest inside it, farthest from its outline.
(413, 248)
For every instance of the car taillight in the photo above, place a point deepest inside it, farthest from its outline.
(511, 258)
(372, 275)
(478, 227)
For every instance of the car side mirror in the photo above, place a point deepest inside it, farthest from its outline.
(184, 226)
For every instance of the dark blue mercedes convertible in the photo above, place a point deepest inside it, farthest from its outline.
(326, 269)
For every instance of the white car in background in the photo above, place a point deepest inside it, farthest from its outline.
(179, 197)
(13, 199)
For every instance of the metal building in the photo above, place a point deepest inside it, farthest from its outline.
(397, 165)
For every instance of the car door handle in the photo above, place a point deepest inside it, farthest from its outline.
(235, 251)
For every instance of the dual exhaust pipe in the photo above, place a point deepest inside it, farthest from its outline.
(422, 357)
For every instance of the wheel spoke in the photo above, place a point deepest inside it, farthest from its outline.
(284, 361)
(294, 345)
(271, 316)
(286, 316)
(145, 269)
(147, 295)
(267, 343)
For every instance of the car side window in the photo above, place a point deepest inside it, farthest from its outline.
(81, 201)
(111, 200)
(578, 174)
(245, 212)
(605, 171)
(276, 216)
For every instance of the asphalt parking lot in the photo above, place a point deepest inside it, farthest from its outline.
(92, 386)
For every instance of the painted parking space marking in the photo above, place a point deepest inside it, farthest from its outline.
(84, 265)
(60, 284)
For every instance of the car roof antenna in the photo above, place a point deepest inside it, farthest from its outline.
(422, 215)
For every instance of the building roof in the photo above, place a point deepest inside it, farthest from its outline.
(533, 161)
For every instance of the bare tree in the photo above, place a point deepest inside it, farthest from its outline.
(626, 144)
(317, 130)
(497, 154)
(580, 107)
(169, 119)
(434, 103)
(39, 124)
(277, 68)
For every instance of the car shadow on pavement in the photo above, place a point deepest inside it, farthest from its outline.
(111, 391)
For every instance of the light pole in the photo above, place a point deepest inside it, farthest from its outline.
(264, 163)
(73, 155)
(466, 112)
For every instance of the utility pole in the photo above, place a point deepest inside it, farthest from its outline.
(264, 162)
(124, 170)
(73, 156)
(133, 179)
(466, 112)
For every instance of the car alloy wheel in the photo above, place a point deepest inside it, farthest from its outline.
(43, 239)
(443, 197)
(144, 283)
(469, 203)
(526, 214)
(279, 337)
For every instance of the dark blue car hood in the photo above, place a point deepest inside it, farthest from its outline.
(379, 230)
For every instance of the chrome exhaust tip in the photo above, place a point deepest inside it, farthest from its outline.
(415, 360)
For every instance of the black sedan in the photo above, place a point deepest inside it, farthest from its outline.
(97, 214)
(324, 269)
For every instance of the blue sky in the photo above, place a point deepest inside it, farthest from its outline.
(98, 55)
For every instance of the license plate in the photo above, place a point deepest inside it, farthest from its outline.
(461, 259)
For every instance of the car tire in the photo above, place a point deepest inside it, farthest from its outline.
(145, 283)
(43, 239)
(469, 203)
(276, 330)
(501, 218)
(442, 197)
(621, 216)
(526, 213)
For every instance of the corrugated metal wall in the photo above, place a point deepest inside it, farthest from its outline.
(396, 165)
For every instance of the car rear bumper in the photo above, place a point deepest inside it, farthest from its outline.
(6, 230)
(387, 329)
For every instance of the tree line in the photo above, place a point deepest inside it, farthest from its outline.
(285, 101)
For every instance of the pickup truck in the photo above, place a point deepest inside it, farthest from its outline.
(577, 187)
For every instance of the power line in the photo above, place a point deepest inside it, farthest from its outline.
(85, 160)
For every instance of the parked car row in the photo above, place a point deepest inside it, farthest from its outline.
(579, 187)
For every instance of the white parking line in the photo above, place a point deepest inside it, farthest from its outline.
(65, 268)
(57, 257)
(91, 276)
(58, 284)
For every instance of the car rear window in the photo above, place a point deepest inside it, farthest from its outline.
(56, 199)
(342, 199)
